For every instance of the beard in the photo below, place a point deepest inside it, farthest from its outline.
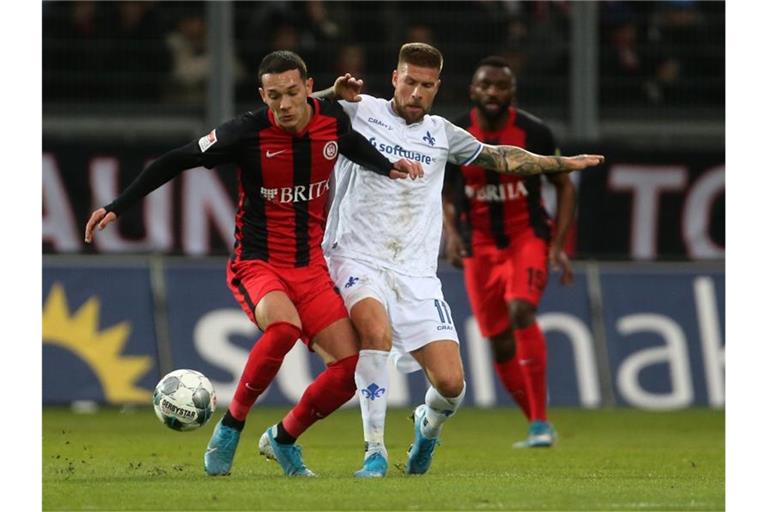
(491, 115)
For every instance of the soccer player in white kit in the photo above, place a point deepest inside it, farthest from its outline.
(382, 241)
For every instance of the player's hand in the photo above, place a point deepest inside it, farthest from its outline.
(348, 88)
(455, 251)
(404, 168)
(579, 162)
(560, 262)
(100, 218)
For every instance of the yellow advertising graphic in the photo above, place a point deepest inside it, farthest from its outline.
(79, 333)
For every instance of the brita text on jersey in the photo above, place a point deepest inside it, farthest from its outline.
(296, 193)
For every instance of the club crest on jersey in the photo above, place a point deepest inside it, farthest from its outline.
(429, 139)
(330, 150)
(352, 282)
(207, 141)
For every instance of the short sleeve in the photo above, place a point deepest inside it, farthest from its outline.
(350, 107)
(463, 147)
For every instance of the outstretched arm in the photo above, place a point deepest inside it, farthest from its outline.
(517, 161)
(157, 174)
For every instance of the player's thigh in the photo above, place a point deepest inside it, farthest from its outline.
(486, 280)
(261, 293)
(528, 258)
(319, 304)
(420, 316)
(336, 342)
(441, 361)
(365, 293)
(276, 306)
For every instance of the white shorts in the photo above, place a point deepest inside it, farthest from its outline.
(416, 307)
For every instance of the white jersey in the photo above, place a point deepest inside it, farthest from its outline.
(395, 224)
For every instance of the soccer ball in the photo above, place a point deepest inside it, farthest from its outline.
(184, 400)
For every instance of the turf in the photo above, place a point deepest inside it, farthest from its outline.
(605, 460)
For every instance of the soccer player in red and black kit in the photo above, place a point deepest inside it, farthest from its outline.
(285, 153)
(498, 230)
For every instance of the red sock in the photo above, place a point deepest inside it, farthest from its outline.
(263, 364)
(329, 391)
(511, 375)
(532, 354)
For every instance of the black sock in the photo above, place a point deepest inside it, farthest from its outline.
(230, 421)
(282, 436)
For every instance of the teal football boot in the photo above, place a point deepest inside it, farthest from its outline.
(420, 452)
(221, 450)
(287, 455)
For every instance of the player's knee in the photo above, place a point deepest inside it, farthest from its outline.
(345, 374)
(522, 313)
(375, 336)
(503, 346)
(450, 384)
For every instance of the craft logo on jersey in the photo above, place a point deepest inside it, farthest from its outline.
(330, 150)
(373, 391)
(429, 139)
(497, 192)
(352, 281)
(207, 141)
(296, 193)
(380, 123)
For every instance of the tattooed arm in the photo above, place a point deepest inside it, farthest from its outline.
(515, 160)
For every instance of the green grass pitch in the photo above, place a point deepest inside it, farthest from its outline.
(617, 459)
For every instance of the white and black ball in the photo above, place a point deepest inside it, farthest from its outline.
(184, 400)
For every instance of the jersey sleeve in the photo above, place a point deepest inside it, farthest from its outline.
(355, 147)
(221, 145)
(350, 108)
(463, 147)
(218, 147)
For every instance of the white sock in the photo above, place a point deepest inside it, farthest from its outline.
(439, 409)
(372, 380)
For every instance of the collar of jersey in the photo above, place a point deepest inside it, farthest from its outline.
(314, 105)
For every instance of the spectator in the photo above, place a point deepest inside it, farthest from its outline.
(351, 60)
(676, 34)
(419, 33)
(72, 56)
(138, 58)
(188, 46)
(623, 70)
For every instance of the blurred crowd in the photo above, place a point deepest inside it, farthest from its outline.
(650, 53)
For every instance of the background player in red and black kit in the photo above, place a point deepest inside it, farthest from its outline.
(498, 230)
(285, 153)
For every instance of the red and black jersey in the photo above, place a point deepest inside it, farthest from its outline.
(491, 208)
(284, 178)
